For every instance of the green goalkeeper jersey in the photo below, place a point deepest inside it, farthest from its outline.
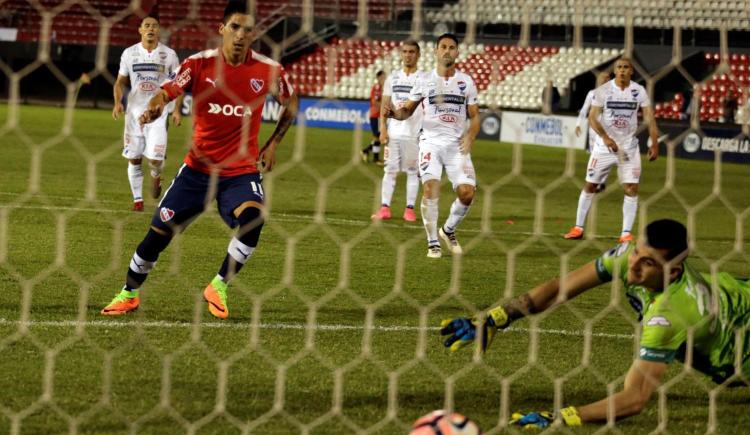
(714, 314)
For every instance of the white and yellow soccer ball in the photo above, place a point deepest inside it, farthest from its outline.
(444, 423)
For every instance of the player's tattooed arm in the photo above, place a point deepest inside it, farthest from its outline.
(155, 107)
(520, 307)
(553, 292)
(267, 155)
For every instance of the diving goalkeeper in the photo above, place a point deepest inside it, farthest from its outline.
(672, 301)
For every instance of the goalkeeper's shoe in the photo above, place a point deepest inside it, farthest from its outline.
(451, 241)
(541, 420)
(125, 302)
(216, 296)
(463, 330)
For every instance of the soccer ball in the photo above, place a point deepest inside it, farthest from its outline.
(441, 422)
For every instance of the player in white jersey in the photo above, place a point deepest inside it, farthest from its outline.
(449, 98)
(400, 138)
(614, 119)
(144, 67)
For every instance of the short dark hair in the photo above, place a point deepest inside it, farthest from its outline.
(379, 73)
(669, 235)
(413, 43)
(235, 7)
(450, 36)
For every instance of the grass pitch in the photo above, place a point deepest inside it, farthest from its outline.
(333, 321)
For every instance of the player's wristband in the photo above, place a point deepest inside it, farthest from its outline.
(570, 416)
(500, 317)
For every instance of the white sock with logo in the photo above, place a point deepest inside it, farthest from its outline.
(412, 188)
(135, 176)
(629, 208)
(388, 186)
(584, 203)
(429, 219)
(457, 215)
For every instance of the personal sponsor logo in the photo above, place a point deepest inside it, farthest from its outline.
(448, 118)
(256, 85)
(166, 214)
(229, 110)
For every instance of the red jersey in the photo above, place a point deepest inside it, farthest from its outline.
(227, 110)
(376, 95)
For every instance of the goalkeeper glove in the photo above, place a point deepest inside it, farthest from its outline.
(541, 420)
(463, 330)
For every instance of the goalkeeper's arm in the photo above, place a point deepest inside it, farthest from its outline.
(463, 331)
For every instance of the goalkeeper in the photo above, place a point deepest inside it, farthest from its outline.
(672, 301)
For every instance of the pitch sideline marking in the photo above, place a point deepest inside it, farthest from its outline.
(281, 326)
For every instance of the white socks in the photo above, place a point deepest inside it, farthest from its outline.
(412, 188)
(584, 203)
(457, 214)
(429, 218)
(629, 207)
(135, 176)
(386, 191)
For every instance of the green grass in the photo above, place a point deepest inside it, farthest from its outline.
(66, 236)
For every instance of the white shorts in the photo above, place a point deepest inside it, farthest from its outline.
(401, 154)
(458, 167)
(149, 142)
(628, 169)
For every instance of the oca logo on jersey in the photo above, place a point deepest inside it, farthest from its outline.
(229, 110)
(448, 118)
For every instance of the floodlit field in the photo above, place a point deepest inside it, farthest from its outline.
(333, 325)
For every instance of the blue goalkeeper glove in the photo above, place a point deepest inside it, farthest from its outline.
(541, 420)
(463, 330)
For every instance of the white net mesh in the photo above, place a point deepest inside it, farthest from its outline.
(334, 320)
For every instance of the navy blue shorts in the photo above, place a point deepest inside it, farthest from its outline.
(187, 197)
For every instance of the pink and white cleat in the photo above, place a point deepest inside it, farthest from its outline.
(383, 214)
(409, 215)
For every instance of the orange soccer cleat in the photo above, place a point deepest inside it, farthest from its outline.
(216, 296)
(574, 233)
(626, 237)
(125, 302)
(137, 205)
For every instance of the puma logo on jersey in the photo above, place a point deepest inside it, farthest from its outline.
(212, 81)
(229, 110)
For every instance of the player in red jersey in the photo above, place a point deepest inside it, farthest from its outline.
(229, 87)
